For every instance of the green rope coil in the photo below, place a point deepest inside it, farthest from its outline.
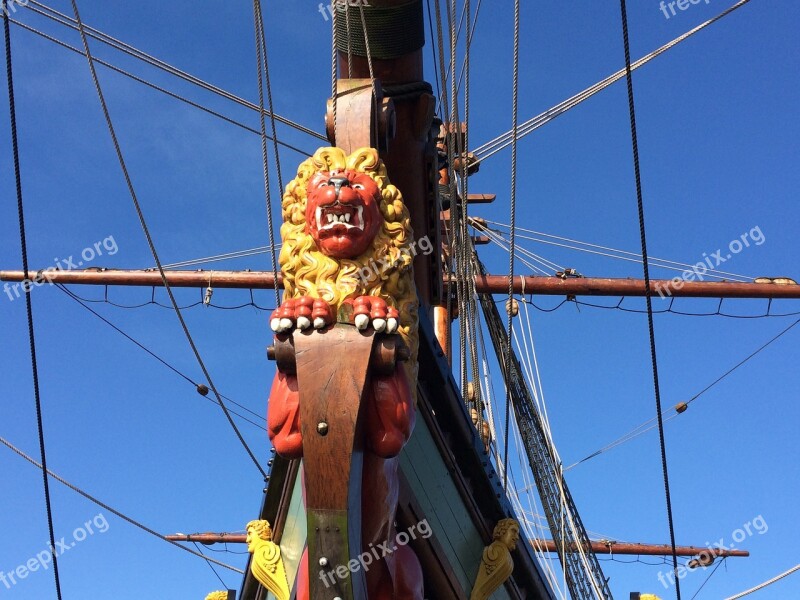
(393, 31)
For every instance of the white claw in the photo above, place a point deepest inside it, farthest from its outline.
(285, 325)
(319, 323)
(362, 322)
(303, 322)
(379, 324)
(275, 325)
(391, 325)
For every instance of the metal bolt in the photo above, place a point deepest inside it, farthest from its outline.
(323, 562)
(322, 428)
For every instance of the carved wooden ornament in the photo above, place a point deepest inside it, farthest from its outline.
(267, 563)
(496, 563)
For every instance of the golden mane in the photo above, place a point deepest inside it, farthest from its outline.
(309, 272)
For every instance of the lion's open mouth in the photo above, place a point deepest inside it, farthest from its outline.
(340, 215)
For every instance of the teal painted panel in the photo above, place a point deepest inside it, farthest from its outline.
(444, 509)
(293, 540)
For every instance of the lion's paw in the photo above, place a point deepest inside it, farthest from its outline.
(302, 312)
(374, 310)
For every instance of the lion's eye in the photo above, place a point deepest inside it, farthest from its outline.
(324, 184)
(358, 186)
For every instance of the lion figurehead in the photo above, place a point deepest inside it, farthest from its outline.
(346, 233)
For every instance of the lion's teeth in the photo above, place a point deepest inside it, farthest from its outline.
(347, 217)
(331, 218)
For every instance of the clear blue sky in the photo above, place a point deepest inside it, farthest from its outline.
(718, 138)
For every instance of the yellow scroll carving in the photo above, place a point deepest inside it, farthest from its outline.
(496, 563)
(267, 563)
(217, 596)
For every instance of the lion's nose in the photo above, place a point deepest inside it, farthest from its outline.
(338, 183)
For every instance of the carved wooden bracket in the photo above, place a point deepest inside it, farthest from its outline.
(364, 117)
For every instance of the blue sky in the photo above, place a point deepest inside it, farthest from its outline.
(717, 131)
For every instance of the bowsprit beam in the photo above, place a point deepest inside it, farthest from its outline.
(598, 546)
(485, 284)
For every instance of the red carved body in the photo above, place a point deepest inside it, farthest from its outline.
(389, 411)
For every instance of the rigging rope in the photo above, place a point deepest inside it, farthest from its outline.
(263, 78)
(637, 258)
(197, 547)
(162, 361)
(450, 229)
(503, 141)
(369, 63)
(105, 506)
(669, 309)
(149, 238)
(512, 244)
(349, 41)
(28, 306)
(648, 292)
(200, 302)
(151, 85)
(456, 207)
(88, 31)
(334, 72)
(221, 257)
(739, 364)
(765, 584)
(436, 74)
(700, 589)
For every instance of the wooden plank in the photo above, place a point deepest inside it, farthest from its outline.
(439, 499)
(481, 198)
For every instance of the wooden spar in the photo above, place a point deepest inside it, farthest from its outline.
(599, 547)
(485, 284)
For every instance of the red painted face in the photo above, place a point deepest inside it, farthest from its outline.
(343, 212)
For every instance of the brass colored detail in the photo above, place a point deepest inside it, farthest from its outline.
(496, 563)
(512, 307)
(267, 564)
(470, 392)
(217, 596)
(485, 432)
